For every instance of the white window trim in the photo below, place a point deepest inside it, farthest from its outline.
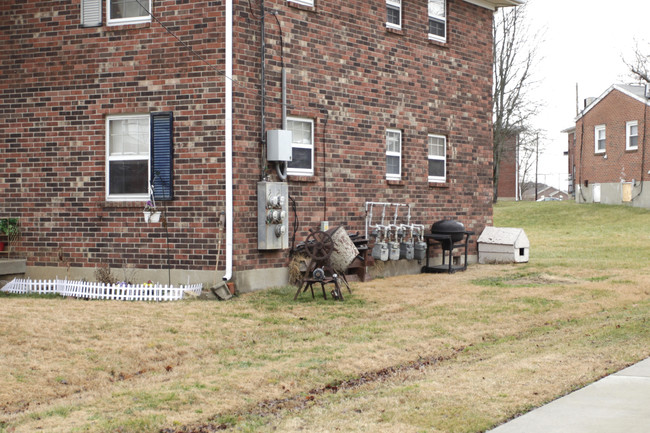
(125, 197)
(303, 2)
(393, 176)
(438, 179)
(628, 135)
(397, 4)
(444, 19)
(122, 21)
(303, 171)
(598, 128)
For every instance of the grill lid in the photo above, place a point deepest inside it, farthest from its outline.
(454, 228)
(447, 226)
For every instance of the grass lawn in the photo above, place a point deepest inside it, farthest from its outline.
(422, 353)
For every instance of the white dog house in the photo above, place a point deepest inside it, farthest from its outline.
(503, 245)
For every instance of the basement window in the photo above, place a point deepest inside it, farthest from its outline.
(394, 14)
(128, 11)
(393, 154)
(438, 20)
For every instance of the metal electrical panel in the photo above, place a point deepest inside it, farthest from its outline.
(272, 215)
(278, 145)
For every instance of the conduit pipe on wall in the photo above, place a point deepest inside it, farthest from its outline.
(281, 166)
(228, 140)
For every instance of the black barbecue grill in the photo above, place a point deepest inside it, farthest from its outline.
(449, 234)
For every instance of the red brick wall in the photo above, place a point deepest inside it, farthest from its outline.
(61, 82)
(354, 92)
(345, 70)
(613, 111)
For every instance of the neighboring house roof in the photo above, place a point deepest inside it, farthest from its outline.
(550, 191)
(569, 130)
(493, 4)
(635, 92)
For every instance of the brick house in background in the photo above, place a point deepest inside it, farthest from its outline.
(544, 192)
(387, 101)
(607, 161)
(508, 186)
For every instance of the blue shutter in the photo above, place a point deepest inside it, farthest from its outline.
(91, 13)
(162, 155)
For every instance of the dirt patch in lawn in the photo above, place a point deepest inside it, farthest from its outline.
(523, 279)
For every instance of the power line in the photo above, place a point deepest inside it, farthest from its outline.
(191, 50)
(240, 85)
(235, 82)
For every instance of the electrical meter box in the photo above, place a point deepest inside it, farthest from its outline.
(278, 145)
(272, 215)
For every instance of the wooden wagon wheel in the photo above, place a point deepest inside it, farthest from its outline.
(319, 245)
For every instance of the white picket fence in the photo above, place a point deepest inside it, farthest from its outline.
(89, 290)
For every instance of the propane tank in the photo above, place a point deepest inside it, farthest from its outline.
(393, 250)
(406, 251)
(420, 250)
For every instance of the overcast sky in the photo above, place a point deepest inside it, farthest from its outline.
(584, 42)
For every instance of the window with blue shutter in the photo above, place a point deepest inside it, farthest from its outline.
(91, 13)
(162, 155)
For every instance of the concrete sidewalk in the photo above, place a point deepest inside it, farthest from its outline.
(619, 403)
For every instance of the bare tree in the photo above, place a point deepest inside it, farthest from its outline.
(639, 65)
(514, 59)
(527, 150)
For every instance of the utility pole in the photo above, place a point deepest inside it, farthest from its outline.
(536, 162)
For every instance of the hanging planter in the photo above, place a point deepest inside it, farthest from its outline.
(151, 216)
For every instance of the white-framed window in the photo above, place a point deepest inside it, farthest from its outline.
(128, 11)
(302, 146)
(600, 136)
(127, 157)
(394, 14)
(393, 154)
(438, 20)
(302, 2)
(632, 135)
(437, 158)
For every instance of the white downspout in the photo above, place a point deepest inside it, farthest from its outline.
(228, 141)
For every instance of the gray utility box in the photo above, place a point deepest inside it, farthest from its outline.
(503, 245)
(278, 145)
(272, 215)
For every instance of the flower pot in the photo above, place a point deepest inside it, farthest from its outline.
(151, 217)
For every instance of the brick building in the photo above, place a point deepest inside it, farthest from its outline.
(607, 148)
(508, 185)
(387, 101)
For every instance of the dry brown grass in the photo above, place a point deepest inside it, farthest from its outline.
(450, 353)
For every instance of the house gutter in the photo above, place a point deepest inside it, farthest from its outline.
(228, 141)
